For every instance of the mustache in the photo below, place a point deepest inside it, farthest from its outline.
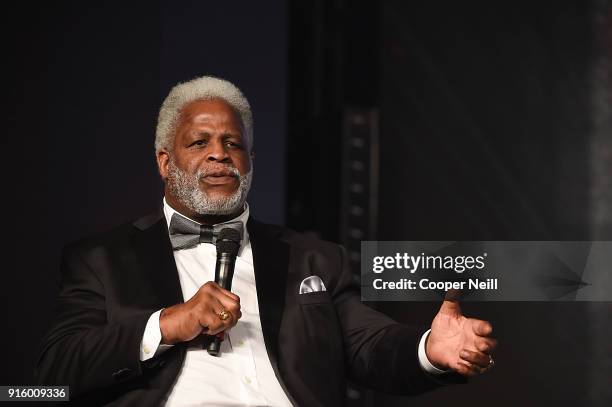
(219, 171)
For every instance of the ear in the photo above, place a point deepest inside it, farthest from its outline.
(163, 158)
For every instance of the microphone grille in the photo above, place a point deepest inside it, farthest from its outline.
(228, 241)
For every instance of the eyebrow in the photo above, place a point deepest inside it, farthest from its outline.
(224, 134)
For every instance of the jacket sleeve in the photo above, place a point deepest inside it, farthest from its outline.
(380, 353)
(82, 349)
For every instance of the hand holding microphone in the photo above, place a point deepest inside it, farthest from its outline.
(214, 308)
(228, 244)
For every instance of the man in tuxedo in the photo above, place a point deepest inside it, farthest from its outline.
(138, 306)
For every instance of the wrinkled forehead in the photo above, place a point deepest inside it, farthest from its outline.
(203, 110)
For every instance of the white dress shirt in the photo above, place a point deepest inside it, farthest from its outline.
(242, 375)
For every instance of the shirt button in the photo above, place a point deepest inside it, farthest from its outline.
(247, 380)
(239, 343)
(147, 350)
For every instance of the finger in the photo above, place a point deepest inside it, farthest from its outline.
(229, 300)
(479, 359)
(226, 315)
(209, 317)
(485, 345)
(231, 306)
(229, 295)
(465, 369)
(482, 328)
(217, 288)
(216, 324)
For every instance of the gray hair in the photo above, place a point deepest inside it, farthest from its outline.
(203, 88)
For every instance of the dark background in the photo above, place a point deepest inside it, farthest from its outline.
(488, 121)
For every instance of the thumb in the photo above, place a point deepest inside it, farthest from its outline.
(451, 306)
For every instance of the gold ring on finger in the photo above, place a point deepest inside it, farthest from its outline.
(224, 314)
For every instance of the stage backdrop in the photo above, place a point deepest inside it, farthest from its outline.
(87, 81)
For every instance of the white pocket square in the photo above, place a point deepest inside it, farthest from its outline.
(312, 284)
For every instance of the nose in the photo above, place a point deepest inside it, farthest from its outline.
(216, 152)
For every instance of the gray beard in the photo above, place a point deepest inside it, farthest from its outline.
(186, 188)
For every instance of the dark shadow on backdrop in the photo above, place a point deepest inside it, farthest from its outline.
(87, 81)
(495, 124)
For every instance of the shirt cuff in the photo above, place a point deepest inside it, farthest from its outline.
(423, 361)
(150, 344)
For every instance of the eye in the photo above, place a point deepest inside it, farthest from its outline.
(233, 144)
(198, 143)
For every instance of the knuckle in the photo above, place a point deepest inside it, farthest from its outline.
(202, 302)
(209, 286)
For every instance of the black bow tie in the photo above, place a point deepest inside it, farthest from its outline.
(185, 233)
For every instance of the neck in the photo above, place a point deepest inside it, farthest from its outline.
(202, 219)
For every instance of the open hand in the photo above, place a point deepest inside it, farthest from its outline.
(459, 343)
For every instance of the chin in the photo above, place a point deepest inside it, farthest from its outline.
(219, 195)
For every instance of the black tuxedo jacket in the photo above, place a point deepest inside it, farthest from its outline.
(112, 283)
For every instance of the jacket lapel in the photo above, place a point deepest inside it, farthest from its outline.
(271, 262)
(154, 252)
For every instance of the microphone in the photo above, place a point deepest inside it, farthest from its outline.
(228, 244)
